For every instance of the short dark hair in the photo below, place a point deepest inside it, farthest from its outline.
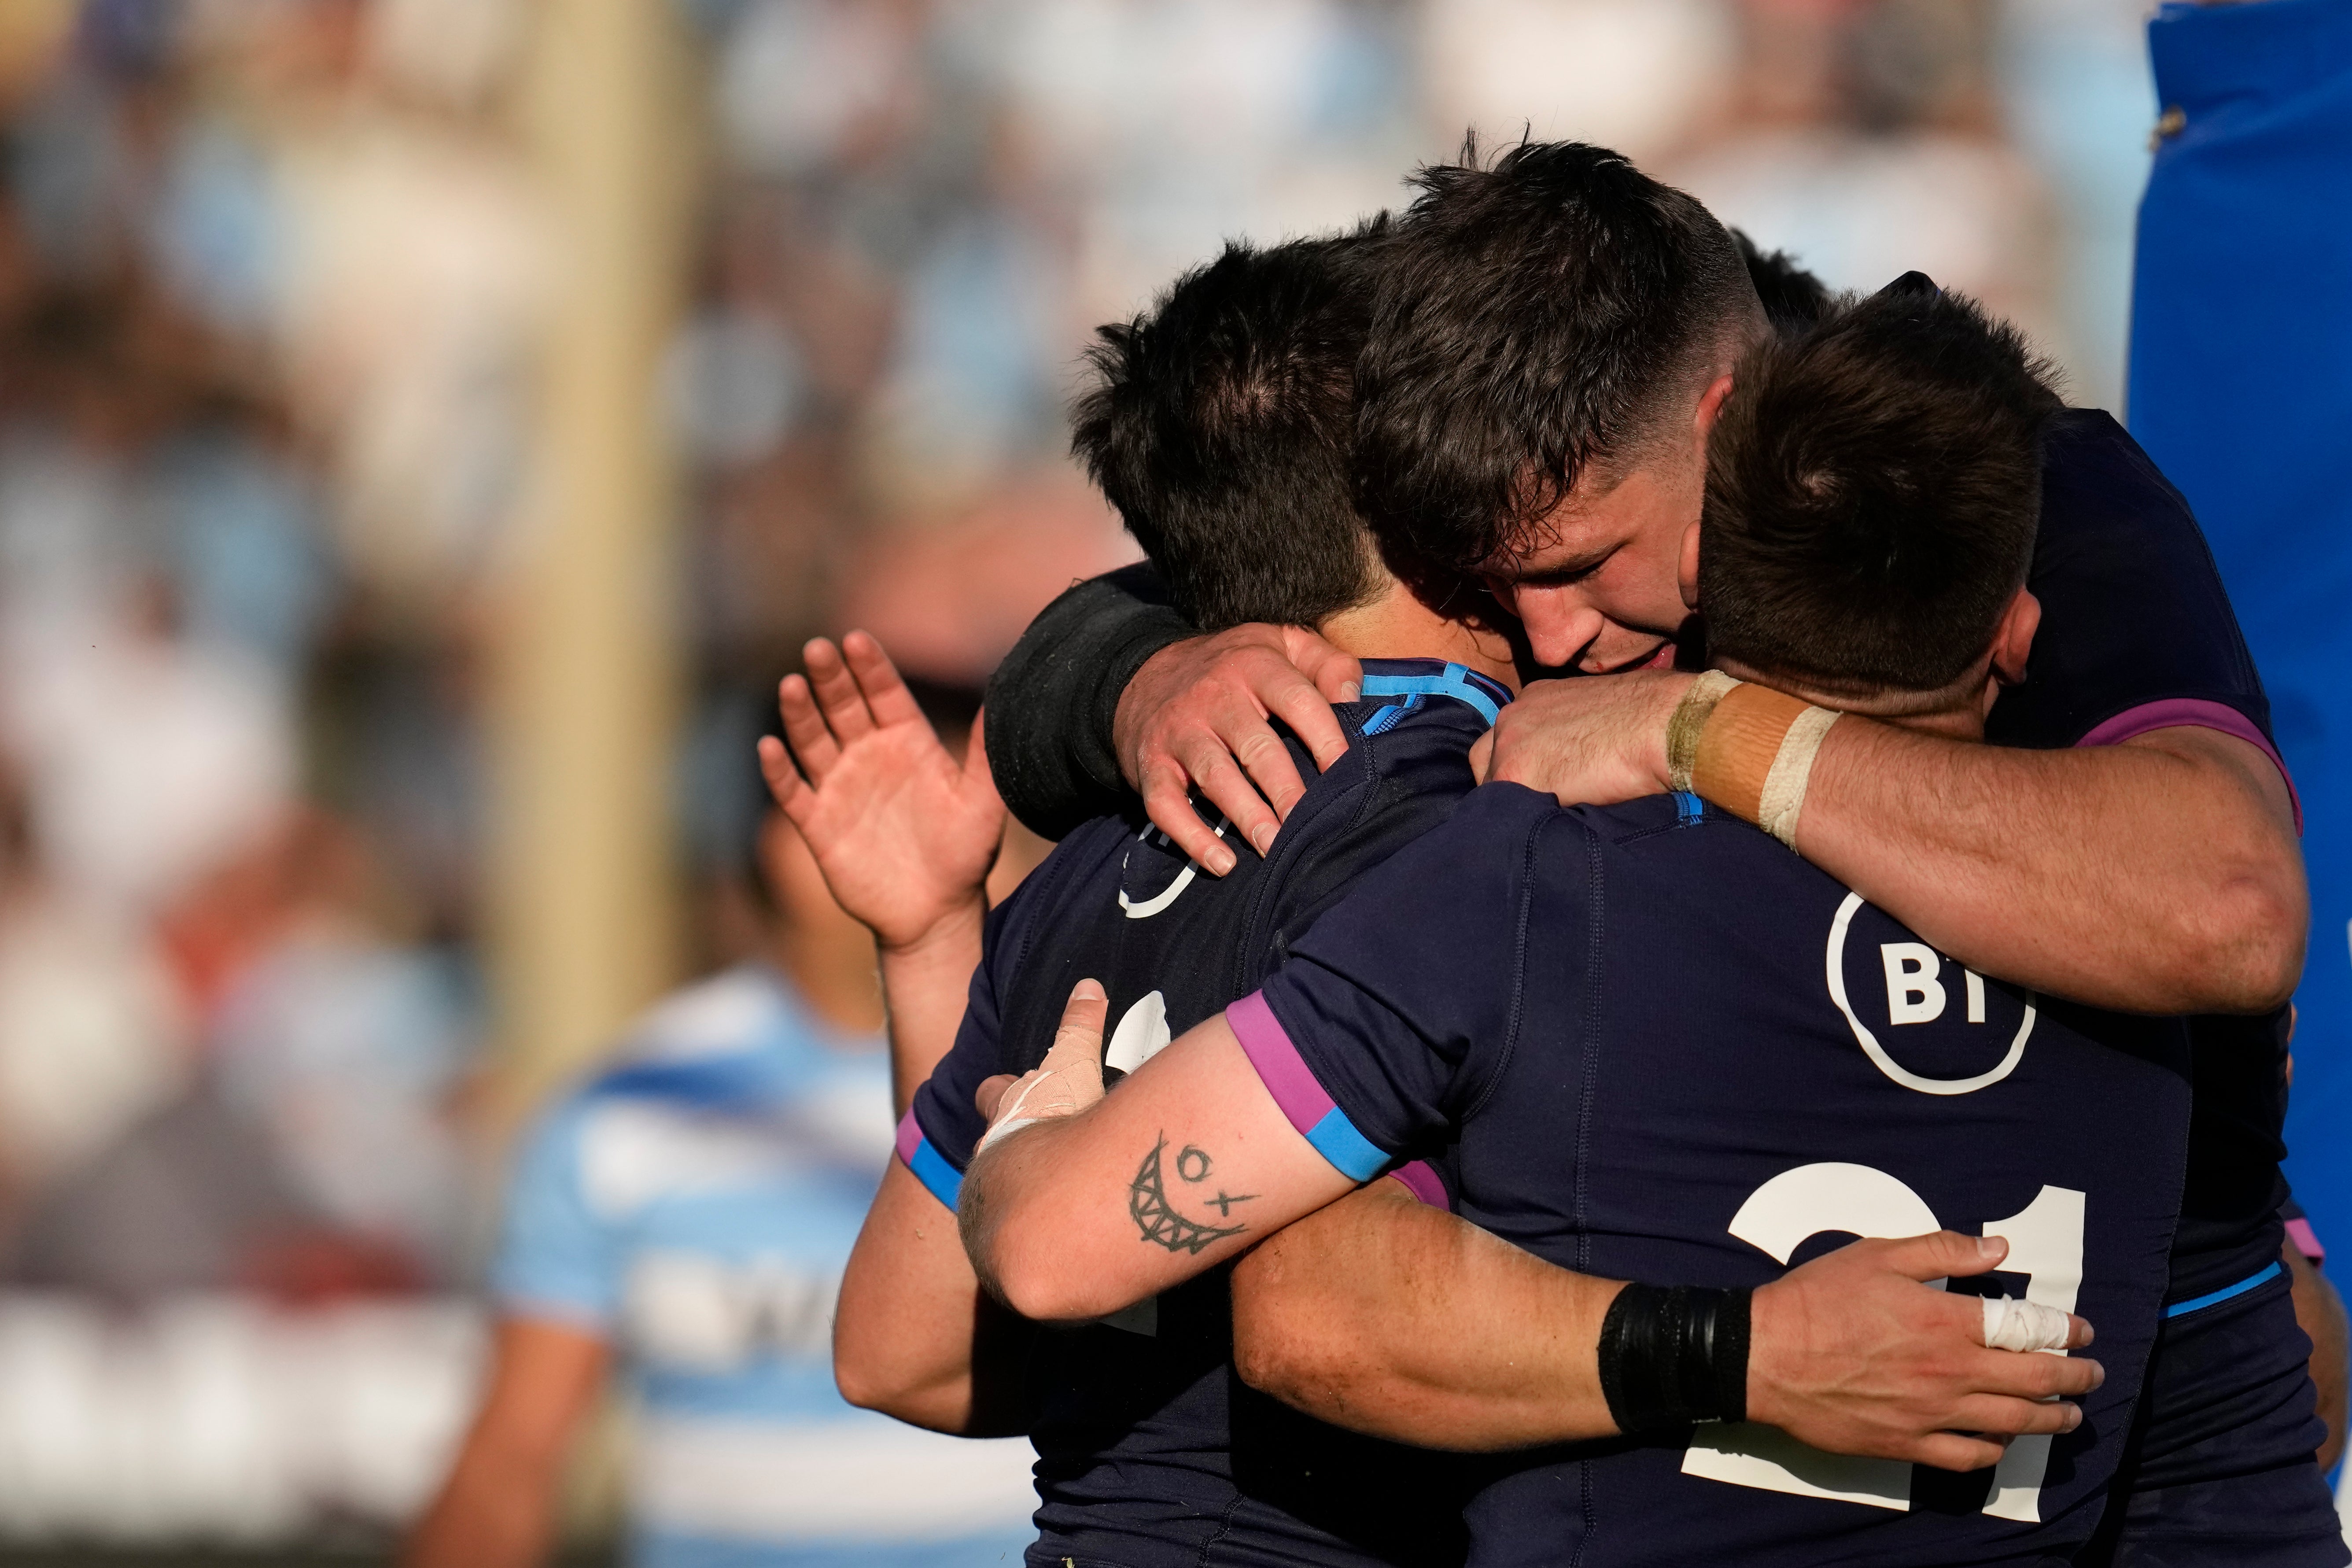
(1873, 488)
(1221, 425)
(1533, 318)
(1793, 298)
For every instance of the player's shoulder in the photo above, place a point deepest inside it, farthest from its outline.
(1409, 739)
(2095, 478)
(1493, 835)
(1681, 839)
(1072, 866)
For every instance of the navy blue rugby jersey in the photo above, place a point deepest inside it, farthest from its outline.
(2137, 635)
(1150, 1450)
(1663, 1048)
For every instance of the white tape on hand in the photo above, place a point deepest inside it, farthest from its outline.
(1006, 1128)
(2014, 1325)
(1054, 1101)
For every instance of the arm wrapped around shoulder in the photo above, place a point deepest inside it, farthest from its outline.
(1051, 702)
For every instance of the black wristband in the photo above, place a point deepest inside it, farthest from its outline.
(1052, 703)
(1673, 1356)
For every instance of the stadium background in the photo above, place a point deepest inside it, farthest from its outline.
(426, 425)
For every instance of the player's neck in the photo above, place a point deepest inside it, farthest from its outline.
(1958, 714)
(1398, 625)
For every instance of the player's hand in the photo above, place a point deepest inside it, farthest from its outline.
(1854, 1355)
(904, 834)
(1067, 1081)
(1196, 713)
(1591, 740)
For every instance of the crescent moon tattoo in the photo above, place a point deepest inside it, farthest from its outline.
(1147, 1206)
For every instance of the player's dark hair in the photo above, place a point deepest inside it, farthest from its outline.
(1873, 488)
(1220, 424)
(1793, 298)
(1534, 318)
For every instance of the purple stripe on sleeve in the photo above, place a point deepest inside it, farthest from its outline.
(910, 1138)
(2306, 1240)
(1423, 1183)
(2193, 712)
(1285, 1072)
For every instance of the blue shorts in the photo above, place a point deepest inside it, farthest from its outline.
(2221, 1467)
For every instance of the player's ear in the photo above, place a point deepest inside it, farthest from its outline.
(1710, 404)
(2012, 640)
(1687, 567)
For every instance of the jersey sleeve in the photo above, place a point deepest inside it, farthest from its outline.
(1051, 702)
(556, 1257)
(2137, 630)
(1396, 1011)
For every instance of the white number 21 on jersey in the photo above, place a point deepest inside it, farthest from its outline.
(2045, 1241)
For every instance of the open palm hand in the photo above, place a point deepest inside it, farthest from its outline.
(904, 834)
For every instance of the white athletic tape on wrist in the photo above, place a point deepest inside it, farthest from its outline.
(1689, 723)
(2013, 1325)
(1792, 769)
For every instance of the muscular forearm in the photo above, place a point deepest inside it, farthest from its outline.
(1051, 702)
(913, 1337)
(924, 985)
(2159, 875)
(1388, 1317)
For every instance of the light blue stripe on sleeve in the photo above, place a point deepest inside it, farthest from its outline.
(931, 1169)
(1351, 1153)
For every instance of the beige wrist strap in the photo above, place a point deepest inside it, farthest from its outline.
(1755, 756)
(1784, 796)
(1691, 714)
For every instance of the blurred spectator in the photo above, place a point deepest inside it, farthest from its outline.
(1864, 141)
(92, 1031)
(687, 1214)
(223, 1418)
(312, 1155)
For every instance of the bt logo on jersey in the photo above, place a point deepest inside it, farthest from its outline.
(1914, 994)
(1948, 1058)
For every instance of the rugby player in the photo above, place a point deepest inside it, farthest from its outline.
(1646, 1041)
(1223, 418)
(2130, 844)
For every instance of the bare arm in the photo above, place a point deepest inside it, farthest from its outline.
(904, 833)
(2159, 876)
(1080, 1205)
(914, 1337)
(1385, 1316)
(905, 836)
(497, 1510)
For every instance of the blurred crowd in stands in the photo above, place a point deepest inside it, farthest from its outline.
(269, 272)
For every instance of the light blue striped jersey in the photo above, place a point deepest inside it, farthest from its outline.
(696, 1202)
